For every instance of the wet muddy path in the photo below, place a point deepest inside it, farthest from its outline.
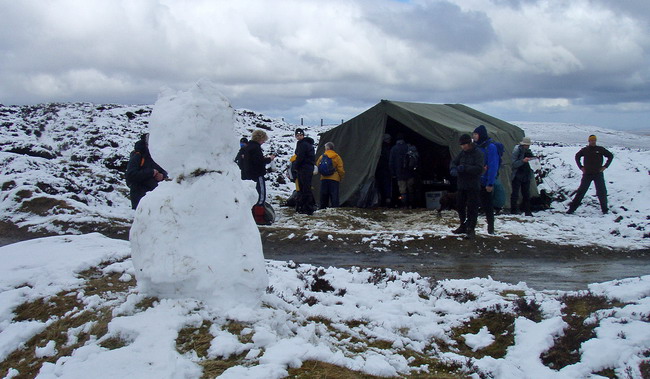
(543, 266)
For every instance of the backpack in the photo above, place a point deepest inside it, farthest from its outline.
(263, 214)
(326, 166)
(411, 159)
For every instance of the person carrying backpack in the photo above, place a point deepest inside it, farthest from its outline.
(330, 167)
(239, 158)
(402, 167)
(142, 172)
(490, 172)
(522, 175)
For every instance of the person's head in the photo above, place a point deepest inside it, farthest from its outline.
(387, 138)
(465, 142)
(243, 141)
(592, 140)
(480, 134)
(259, 136)
(400, 137)
(525, 143)
(329, 146)
(142, 145)
(300, 134)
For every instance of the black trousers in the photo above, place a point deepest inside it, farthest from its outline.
(305, 202)
(585, 183)
(467, 204)
(522, 186)
(487, 205)
(329, 193)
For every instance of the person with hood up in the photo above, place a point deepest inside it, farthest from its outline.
(329, 185)
(304, 165)
(142, 172)
(239, 158)
(254, 164)
(522, 175)
(490, 172)
(467, 167)
(592, 171)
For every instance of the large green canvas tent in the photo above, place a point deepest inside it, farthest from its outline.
(433, 128)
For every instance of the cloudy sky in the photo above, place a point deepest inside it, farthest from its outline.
(583, 61)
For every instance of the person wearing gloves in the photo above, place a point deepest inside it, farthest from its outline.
(467, 167)
(592, 171)
(521, 176)
(490, 172)
(142, 172)
(329, 184)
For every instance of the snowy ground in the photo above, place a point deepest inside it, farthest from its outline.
(380, 323)
(69, 304)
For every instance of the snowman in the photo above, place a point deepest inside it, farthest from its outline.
(194, 236)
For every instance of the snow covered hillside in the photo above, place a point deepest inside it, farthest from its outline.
(61, 171)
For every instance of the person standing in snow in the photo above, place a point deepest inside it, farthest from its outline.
(142, 172)
(592, 171)
(254, 163)
(304, 164)
(329, 185)
(490, 172)
(521, 176)
(239, 158)
(400, 170)
(467, 167)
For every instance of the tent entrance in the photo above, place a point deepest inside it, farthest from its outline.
(433, 169)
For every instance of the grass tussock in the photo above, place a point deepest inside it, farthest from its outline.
(566, 348)
(501, 326)
(44, 206)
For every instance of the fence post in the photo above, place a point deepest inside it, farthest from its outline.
(300, 121)
(321, 122)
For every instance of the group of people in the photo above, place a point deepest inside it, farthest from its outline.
(253, 163)
(476, 168)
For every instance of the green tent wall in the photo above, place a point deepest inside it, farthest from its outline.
(358, 141)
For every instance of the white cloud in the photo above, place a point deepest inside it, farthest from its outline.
(276, 56)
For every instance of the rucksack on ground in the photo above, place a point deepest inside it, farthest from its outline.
(263, 214)
(326, 166)
(411, 159)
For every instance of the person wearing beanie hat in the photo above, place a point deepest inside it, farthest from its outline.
(590, 161)
(142, 172)
(304, 164)
(489, 177)
(467, 167)
(522, 175)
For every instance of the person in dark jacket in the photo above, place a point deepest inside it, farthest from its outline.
(254, 163)
(467, 166)
(400, 171)
(142, 172)
(490, 172)
(239, 158)
(521, 176)
(592, 171)
(382, 173)
(304, 165)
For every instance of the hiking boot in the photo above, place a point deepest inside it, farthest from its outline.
(460, 230)
(529, 214)
(470, 235)
(491, 229)
(514, 210)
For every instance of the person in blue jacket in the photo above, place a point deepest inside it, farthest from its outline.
(490, 172)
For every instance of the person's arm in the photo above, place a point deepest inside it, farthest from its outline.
(609, 157)
(517, 161)
(493, 165)
(476, 166)
(338, 164)
(579, 156)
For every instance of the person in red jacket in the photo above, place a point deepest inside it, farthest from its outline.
(592, 171)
